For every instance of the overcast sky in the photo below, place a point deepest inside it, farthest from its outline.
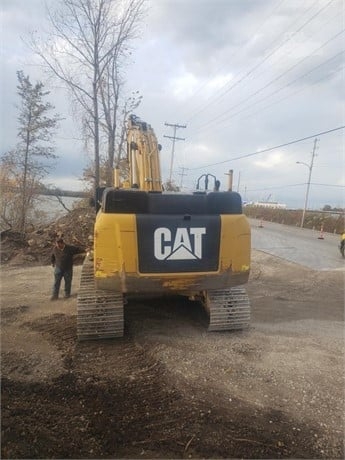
(244, 76)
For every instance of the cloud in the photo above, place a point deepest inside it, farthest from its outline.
(270, 161)
(239, 74)
(183, 85)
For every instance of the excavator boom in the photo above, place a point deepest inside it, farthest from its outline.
(143, 156)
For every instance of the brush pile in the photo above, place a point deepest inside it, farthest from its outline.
(34, 248)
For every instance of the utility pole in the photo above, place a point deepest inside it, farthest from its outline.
(239, 180)
(174, 138)
(230, 175)
(182, 174)
(310, 167)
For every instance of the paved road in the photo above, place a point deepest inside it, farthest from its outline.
(302, 246)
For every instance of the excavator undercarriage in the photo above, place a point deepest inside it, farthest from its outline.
(101, 312)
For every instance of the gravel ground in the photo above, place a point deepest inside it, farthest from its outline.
(169, 389)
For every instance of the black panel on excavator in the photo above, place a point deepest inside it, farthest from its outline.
(175, 203)
(125, 201)
(132, 201)
(224, 203)
(178, 243)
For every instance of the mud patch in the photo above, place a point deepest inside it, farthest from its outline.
(9, 315)
(58, 328)
(145, 417)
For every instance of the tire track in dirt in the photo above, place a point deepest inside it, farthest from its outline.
(117, 399)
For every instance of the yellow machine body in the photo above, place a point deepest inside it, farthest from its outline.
(148, 241)
(116, 259)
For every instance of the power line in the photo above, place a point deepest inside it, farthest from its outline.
(261, 62)
(205, 83)
(270, 148)
(284, 73)
(307, 36)
(274, 187)
(293, 93)
(216, 98)
(327, 185)
(225, 118)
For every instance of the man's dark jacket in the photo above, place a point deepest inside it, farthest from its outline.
(63, 258)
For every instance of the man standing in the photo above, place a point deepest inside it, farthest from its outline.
(62, 260)
(342, 244)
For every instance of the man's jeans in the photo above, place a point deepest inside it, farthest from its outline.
(67, 276)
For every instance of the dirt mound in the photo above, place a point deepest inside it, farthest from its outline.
(35, 247)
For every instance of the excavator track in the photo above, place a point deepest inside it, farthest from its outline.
(99, 312)
(228, 309)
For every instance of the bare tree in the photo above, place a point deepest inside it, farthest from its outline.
(89, 41)
(25, 166)
(9, 203)
(116, 114)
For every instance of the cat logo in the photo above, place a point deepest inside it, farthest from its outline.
(186, 245)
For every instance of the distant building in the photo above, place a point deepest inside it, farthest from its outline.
(269, 204)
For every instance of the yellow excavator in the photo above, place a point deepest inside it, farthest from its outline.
(148, 241)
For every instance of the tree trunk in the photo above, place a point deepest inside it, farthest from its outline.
(111, 156)
(96, 138)
(25, 173)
